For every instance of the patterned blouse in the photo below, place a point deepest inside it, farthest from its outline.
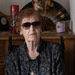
(49, 62)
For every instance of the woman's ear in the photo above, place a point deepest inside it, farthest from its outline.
(21, 32)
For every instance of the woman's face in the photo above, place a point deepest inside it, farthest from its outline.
(31, 33)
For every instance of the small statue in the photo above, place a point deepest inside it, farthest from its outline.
(38, 5)
(47, 4)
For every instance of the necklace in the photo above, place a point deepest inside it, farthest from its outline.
(31, 72)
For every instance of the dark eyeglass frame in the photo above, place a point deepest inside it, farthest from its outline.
(35, 24)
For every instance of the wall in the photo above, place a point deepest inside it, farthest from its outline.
(5, 4)
(72, 12)
(64, 3)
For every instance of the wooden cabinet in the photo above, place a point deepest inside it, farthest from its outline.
(69, 52)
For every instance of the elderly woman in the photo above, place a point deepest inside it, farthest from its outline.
(35, 56)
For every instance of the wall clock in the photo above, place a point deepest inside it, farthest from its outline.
(4, 25)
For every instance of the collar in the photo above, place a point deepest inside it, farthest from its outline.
(25, 61)
(23, 49)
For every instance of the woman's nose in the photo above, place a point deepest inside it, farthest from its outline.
(31, 27)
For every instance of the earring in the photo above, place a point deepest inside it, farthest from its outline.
(20, 33)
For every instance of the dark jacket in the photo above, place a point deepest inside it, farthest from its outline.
(50, 60)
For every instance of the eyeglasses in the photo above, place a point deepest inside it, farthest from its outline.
(28, 24)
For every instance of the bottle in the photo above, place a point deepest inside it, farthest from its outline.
(60, 26)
